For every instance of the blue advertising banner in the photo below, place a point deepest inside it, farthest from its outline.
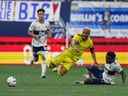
(25, 11)
(104, 18)
(16, 16)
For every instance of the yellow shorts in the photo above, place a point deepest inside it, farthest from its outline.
(66, 58)
(68, 64)
(65, 61)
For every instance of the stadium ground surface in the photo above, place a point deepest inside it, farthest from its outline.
(29, 83)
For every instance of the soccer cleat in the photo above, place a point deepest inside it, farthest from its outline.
(79, 82)
(43, 76)
(54, 69)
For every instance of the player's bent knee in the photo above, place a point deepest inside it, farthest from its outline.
(61, 70)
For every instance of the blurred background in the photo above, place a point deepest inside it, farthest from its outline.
(107, 19)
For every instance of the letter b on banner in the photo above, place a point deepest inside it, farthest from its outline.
(23, 11)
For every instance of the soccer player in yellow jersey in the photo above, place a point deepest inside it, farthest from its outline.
(68, 58)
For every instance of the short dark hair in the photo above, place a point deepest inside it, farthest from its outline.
(41, 9)
(111, 53)
(110, 57)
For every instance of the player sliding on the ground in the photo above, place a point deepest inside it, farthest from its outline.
(68, 58)
(96, 75)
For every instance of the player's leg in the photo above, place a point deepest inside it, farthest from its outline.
(82, 79)
(55, 61)
(35, 55)
(43, 64)
(95, 71)
(43, 68)
(65, 66)
(94, 76)
(61, 70)
(93, 81)
(63, 62)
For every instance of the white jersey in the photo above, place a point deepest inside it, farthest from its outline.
(39, 29)
(109, 70)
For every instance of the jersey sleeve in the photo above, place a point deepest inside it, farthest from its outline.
(118, 68)
(107, 67)
(31, 27)
(114, 67)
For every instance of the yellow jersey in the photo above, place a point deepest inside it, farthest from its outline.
(71, 55)
(72, 51)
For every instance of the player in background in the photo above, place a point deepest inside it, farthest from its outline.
(104, 74)
(67, 59)
(39, 31)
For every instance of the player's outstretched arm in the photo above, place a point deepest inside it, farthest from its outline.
(123, 76)
(93, 55)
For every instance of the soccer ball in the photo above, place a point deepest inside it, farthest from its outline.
(11, 81)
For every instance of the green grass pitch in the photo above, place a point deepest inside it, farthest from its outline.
(29, 83)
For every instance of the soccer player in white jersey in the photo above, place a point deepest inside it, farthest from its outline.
(96, 75)
(39, 31)
(111, 68)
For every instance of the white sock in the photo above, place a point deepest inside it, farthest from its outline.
(43, 69)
